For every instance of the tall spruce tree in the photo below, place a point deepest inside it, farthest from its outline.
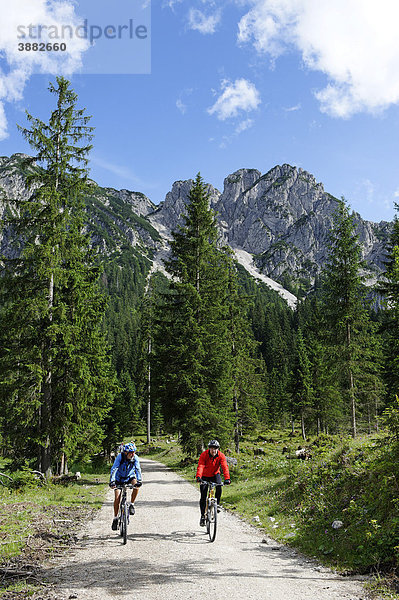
(347, 323)
(197, 333)
(192, 341)
(56, 382)
(326, 406)
(247, 367)
(389, 288)
(302, 388)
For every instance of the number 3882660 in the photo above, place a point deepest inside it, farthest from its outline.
(41, 47)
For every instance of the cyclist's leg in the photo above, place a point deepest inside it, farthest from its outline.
(135, 491)
(218, 490)
(117, 499)
(203, 491)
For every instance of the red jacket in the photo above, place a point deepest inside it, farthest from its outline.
(208, 465)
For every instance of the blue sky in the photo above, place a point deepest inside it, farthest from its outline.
(233, 84)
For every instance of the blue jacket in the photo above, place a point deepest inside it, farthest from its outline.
(122, 470)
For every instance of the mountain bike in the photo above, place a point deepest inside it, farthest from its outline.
(124, 510)
(211, 509)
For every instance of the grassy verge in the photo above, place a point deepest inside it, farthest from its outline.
(341, 505)
(38, 522)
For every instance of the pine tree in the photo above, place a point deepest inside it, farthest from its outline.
(389, 288)
(346, 318)
(56, 378)
(200, 334)
(326, 409)
(145, 360)
(302, 388)
(189, 354)
(247, 366)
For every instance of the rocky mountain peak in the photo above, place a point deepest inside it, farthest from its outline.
(283, 219)
(139, 202)
(241, 179)
(170, 212)
(279, 220)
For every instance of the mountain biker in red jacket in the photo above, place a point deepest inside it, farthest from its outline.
(209, 464)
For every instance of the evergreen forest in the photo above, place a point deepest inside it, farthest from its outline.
(96, 349)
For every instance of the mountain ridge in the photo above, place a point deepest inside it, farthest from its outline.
(281, 219)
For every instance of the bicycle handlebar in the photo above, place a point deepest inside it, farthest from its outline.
(127, 486)
(211, 483)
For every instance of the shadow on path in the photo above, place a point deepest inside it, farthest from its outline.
(119, 576)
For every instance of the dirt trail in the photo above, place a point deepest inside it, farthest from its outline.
(169, 557)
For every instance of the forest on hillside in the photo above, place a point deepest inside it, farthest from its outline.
(94, 350)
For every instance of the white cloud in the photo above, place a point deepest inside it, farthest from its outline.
(244, 125)
(181, 106)
(241, 95)
(368, 190)
(121, 171)
(354, 42)
(3, 123)
(228, 139)
(293, 108)
(22, 64)
(171, 3)
(198, 21)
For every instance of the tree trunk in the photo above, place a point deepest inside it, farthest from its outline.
(303, 426)
(46, 408)
(351, 383)
(45, 421)
(63, 468)
(237, 425)
(149, 394)
(353, 404)
(377, 426)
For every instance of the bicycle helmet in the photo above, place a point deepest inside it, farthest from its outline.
(213, 444)
(130, 447)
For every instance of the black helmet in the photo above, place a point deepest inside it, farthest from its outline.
(213, 444)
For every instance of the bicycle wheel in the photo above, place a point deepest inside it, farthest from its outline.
(212, 521)
(124, 524)
(120, 523)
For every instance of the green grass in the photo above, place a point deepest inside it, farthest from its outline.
(22, 589)
(37, 521)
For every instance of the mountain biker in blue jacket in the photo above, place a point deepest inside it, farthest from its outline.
(126, 469)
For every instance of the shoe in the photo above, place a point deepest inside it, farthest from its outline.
(202, 521)
(219, 508)
(132, 510)
(114, 525)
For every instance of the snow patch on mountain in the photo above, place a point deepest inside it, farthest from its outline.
(246, 260)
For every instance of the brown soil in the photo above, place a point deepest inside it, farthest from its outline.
(53, 531)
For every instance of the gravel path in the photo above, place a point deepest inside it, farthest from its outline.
(169, 557)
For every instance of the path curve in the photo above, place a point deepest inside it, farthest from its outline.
(169, 557)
